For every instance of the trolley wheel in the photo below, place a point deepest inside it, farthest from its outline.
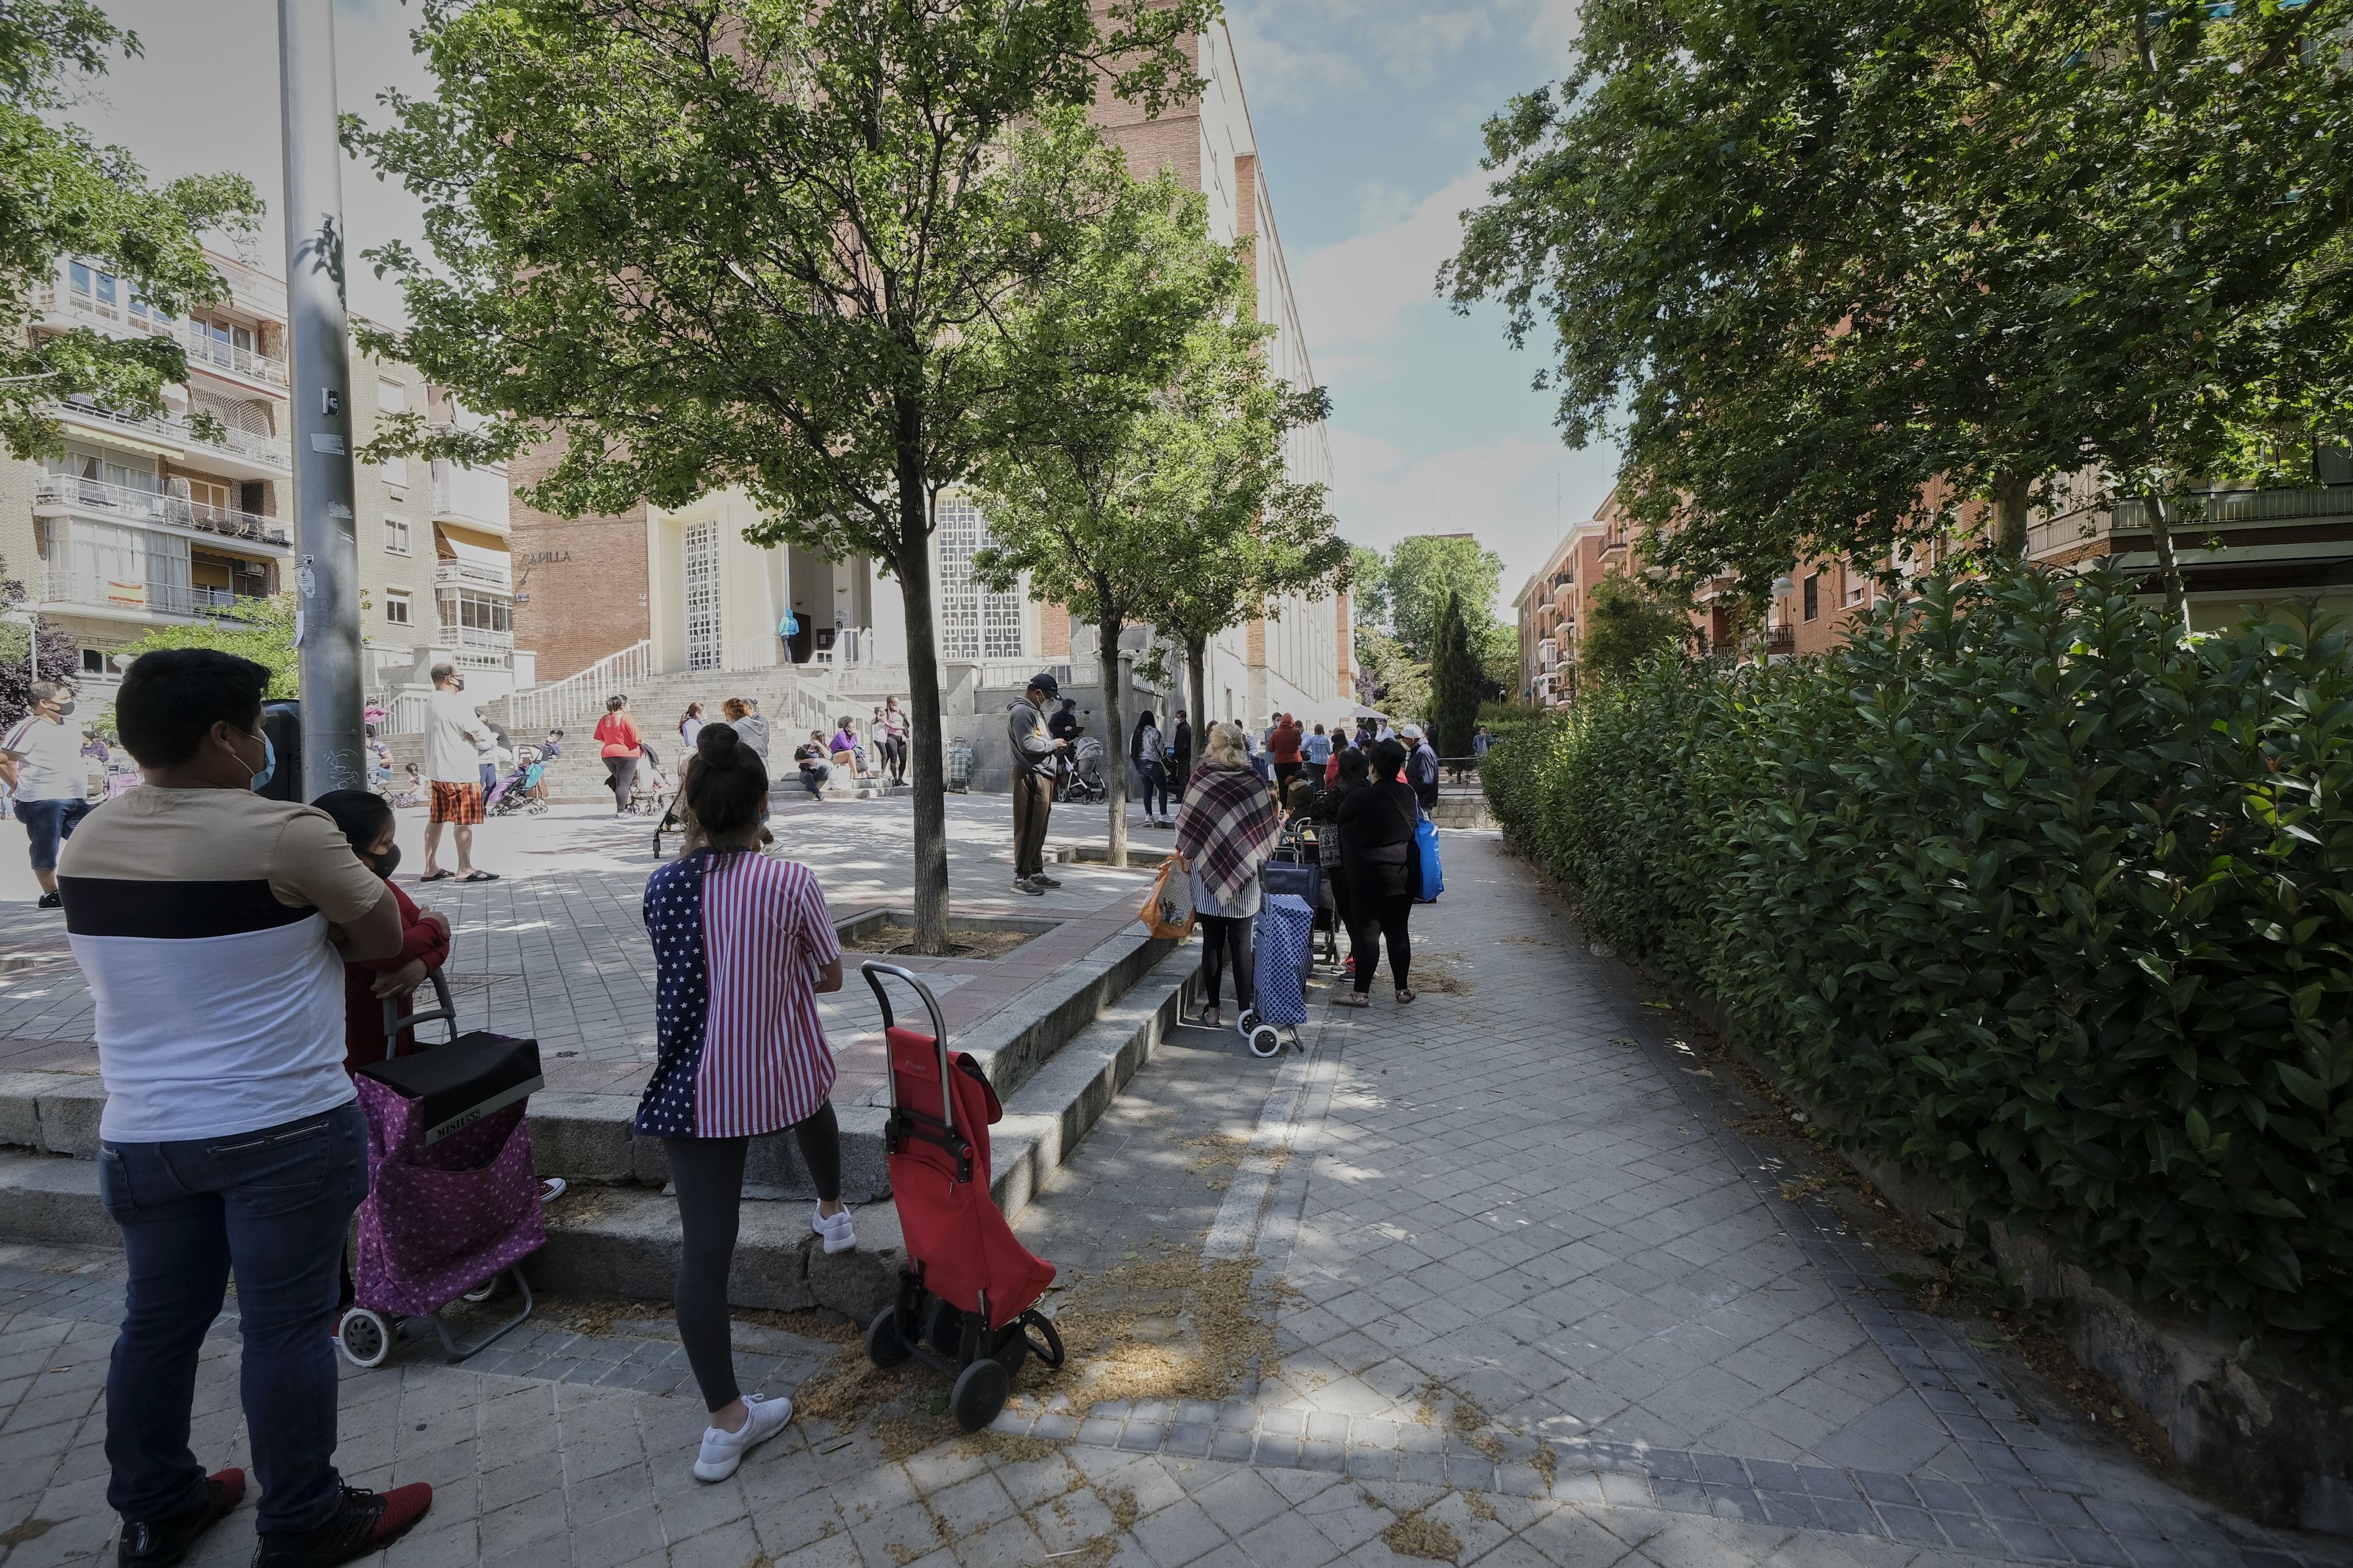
(1247, 1022)
(364, 1336)
(979, 1393)
(1265, 1040)
(886, 1347)
(945, 1330)
(1044, 1340)
(486, 1289)
(1012, 1351)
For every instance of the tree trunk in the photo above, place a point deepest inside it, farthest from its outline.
(1115, 741)
(2009, 493)
(1196, 660)
(912, 561)
(2169, 568)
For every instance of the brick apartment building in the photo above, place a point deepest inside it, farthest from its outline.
(680, 590)
(2238, 548)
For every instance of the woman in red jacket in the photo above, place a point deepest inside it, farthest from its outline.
(367, 821)
(623, 743)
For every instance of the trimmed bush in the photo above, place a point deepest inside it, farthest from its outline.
(2030, 900)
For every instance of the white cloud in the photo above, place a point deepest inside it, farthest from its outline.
(1292, 50)
(1551, 31)
(1358, 292)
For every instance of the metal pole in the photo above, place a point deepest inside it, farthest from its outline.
(326, 545)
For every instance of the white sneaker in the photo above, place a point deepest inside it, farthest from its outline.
(723, 1451)
(837, 1232)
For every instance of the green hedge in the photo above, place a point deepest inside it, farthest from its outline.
(2031, 900)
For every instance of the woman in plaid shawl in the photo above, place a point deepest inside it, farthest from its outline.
(1226, 828)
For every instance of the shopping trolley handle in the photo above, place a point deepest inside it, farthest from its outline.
(396, 1022)
(874, 972)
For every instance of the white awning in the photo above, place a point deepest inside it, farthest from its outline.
(475, 554)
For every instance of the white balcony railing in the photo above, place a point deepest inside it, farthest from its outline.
(480, 639)
(448, 574)
(471, 495)
(270, 450)
(59, 587)
(59, 303)
(2191, 510)
(151, 506)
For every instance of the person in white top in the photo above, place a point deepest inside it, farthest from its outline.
(42, 761)
(455, 738)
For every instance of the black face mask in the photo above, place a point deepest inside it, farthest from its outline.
(388, 863)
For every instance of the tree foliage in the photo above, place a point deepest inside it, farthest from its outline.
(2036, 901)
(1106, 448)
(757, 243)
(1421, 574)
(62, 194)
(261, 630)
(1456, 682)
(1626, 626)
(1832, 269)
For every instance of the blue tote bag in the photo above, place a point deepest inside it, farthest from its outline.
(1425, 845)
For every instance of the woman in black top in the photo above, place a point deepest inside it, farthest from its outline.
(1379, 865)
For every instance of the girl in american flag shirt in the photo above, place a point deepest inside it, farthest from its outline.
(742, 945)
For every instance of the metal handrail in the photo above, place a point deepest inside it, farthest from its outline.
(195, 341)
(261, 449)
(64, 587)
(562, 703)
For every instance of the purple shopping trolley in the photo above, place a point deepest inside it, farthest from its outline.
(453, 1202)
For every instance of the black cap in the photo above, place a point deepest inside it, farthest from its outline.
(1044, 681)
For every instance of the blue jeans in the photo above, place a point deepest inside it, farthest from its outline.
(273, 1206)
(1155, 785)
(48, 824)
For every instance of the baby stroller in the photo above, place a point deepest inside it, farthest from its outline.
(1086, 784)
(967, 1301)
(453, 1202)
(650, 789)
(513, 795)
(1281, 955)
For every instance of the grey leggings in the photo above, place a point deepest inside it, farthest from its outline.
(708, 1174)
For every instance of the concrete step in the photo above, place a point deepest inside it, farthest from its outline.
(622, 1240)
(586, 1138)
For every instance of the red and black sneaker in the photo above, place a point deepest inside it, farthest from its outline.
(363, 1521)
(159, 1544)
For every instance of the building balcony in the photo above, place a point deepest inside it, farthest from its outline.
(480, 641)
(1781, 642)
(76, 592)
(59, 306)
(449, 574)
(55, 494)
(240, 454)
(1613, 546)
(470, 498)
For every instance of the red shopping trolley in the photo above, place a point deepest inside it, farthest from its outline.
(967, 1299)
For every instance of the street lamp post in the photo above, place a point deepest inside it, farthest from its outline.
(326, 543)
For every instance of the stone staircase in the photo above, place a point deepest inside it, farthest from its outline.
(794, 698)
(1057, 1061)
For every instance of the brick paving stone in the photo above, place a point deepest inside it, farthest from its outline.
(1516, 1195)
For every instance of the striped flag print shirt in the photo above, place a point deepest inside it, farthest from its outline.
(738, 940)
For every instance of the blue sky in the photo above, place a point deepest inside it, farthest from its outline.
(1368, 116)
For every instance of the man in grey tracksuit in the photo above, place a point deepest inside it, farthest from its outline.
(1037, 764)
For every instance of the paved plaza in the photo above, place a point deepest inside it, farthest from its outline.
(1500, 1277)
(555, 950)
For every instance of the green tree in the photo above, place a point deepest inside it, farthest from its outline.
(1455, 682)
(1399, 685)
(1626, 626)
(1833, 269)
(61, 193)
(261, 630)
(1097, 466)
(1422, 574)
(764, 243)
(1240, 535)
